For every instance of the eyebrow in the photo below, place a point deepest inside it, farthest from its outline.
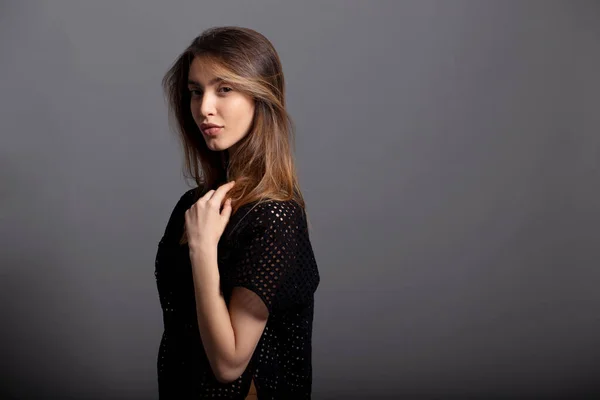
(212, 82)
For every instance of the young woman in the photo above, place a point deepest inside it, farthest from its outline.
(235, 269)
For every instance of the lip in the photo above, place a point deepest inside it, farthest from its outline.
(210, 129)
(205, 125)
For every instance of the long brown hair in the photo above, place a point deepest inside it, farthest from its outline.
(262, 164)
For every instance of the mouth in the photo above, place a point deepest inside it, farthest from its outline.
(211, 131)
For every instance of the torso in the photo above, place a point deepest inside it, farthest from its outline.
(252, 393)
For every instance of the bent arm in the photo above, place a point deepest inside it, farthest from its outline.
(229, 336)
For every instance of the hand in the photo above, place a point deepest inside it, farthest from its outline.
(204, 222)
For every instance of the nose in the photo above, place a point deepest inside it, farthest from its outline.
(207, 104)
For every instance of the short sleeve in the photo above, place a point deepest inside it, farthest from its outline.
(274, 258)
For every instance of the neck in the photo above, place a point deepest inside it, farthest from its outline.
(225, 160)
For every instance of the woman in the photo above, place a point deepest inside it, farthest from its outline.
(235, 269)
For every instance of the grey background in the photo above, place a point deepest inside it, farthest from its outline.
(448, 151)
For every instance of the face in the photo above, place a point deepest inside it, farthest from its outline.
(214, 101)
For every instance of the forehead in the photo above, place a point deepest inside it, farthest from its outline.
(205, 71)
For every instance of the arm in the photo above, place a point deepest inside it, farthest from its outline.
(268, 255)
(229, 336)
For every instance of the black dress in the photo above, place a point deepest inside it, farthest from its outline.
(265, 248)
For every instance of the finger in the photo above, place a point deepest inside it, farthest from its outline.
(226, 213)
(219, 195)
(207, 196)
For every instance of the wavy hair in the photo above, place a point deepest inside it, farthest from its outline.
(262, 164)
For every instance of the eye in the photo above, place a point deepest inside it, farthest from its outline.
(225, 89)
(195, 92)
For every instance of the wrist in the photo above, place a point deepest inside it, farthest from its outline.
(205, 269)
(202, 249)
(202, 245)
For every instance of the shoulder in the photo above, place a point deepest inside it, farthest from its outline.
(189, 197)
(177, 217)
(186, 200)
(269, 219)
(271, 214)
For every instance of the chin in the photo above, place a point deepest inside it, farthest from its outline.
(216, 145)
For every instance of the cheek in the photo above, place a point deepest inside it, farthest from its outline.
(239, 112)
(251, 111)
(248, 111)
(194, 109)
